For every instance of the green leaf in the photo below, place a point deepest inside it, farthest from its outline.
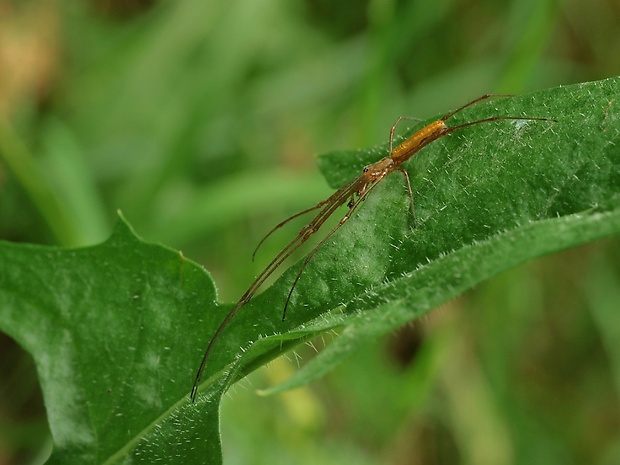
(108, 328)
(487, 198)
(117, 330)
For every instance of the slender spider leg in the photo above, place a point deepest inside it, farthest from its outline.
(473, 102)
(329, 206)
(282, 223)
(410, 192)
(352, 207)
(497, 118)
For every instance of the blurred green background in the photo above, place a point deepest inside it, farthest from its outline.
(200, 120)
